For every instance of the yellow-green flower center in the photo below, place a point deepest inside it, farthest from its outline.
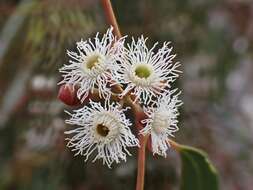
(92, 61)
(142, 71)
(102, 130)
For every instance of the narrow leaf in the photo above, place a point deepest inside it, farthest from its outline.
(198, 173)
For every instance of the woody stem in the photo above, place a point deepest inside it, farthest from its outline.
(110, 16)
(111, 19)
(141, 163)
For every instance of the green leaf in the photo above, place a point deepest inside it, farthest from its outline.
(198, 173)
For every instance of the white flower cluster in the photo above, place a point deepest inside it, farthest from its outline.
(147, 74)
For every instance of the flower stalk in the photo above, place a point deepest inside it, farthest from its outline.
(110, 16)
(141, 162)
(111, 19)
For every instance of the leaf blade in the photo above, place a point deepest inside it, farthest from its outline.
(198, 173)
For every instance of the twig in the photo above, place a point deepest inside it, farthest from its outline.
(107, 6)
(141, 163)
(111, 19)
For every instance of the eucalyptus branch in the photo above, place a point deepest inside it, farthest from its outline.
(111, 19)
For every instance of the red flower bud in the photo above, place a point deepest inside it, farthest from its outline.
(68, 95)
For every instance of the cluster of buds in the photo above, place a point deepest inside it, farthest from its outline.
(107, 77)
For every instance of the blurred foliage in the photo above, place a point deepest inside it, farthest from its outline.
(51, 29)
(171, 20)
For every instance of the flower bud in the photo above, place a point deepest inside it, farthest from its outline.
(68, 95)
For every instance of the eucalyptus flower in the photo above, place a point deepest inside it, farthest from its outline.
(93, 64)
(147, 73)
(103, 130)
(162, 122)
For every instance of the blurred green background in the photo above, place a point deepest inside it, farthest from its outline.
(213, 41)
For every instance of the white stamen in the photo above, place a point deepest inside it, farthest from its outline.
(102, 130)
(157, 70)
(162, 122)
(93, 65)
